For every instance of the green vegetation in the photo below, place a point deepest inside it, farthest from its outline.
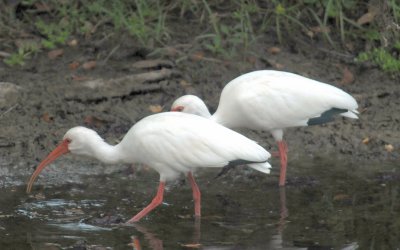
(226, 28)
(17, 58)
(54, 33)
(383, 58)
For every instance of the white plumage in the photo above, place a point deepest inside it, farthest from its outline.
(273, 100)
(174, 144)
(170, 143)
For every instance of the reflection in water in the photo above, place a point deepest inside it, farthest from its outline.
(284, 213)
(277, 240)
(153, 241)
(157, 244)
(135, 243)
(325, 206)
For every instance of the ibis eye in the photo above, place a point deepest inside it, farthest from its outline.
(179, 108)
(68, 140)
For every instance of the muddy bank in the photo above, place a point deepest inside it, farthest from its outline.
(46, 97)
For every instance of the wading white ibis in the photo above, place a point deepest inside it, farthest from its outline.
(171, 143)
(273, 100)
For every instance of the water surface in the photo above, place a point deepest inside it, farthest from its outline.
(326, 205)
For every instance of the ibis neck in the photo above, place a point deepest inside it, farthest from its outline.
(107, 153)
(204, 112)
(220, 120)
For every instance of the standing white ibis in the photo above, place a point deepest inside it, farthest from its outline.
(171, 143)
(273, 100)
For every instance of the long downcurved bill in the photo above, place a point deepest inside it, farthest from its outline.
(57, 152)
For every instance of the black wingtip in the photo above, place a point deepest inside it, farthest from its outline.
(233, 164)
(327, 116)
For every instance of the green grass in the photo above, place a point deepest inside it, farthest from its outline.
(383, 58)
(227, 28)
(17, 58)
(385, 41)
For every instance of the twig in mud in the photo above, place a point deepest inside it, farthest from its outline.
(110, 54)
(8, 110)
(208, 59)
(341, 55)
(98, 90)
(4, 54)
(148, 64)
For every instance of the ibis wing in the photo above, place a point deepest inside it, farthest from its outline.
(272, 99)
(181, 142)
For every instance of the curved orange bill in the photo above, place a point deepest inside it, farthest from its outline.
(57, 152)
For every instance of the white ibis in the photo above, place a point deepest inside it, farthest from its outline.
(171, 143)
(272, 101)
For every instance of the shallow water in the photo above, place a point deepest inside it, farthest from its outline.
(326, 205)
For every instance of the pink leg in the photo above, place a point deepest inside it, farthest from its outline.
(196, 195)
(154, 203)
(283, 155)
(284, 211)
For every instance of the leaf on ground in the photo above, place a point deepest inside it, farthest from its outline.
(340, 197)
(169, 51)
(274, 50)
(89, 65)
(184, 83)
(366, 140)
(389, 147)
(197, 56)
(73, 43)
(94, 121)
(47, 118)
(348, 76)
(42, 7)
(366, 18)
(278, 66)
(55, 53)
(74, 65)
(191, 245)
(155, 108)
(79, 78)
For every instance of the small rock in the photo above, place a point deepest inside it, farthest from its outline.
(105, 220)
(8, 94)
(389, 148)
